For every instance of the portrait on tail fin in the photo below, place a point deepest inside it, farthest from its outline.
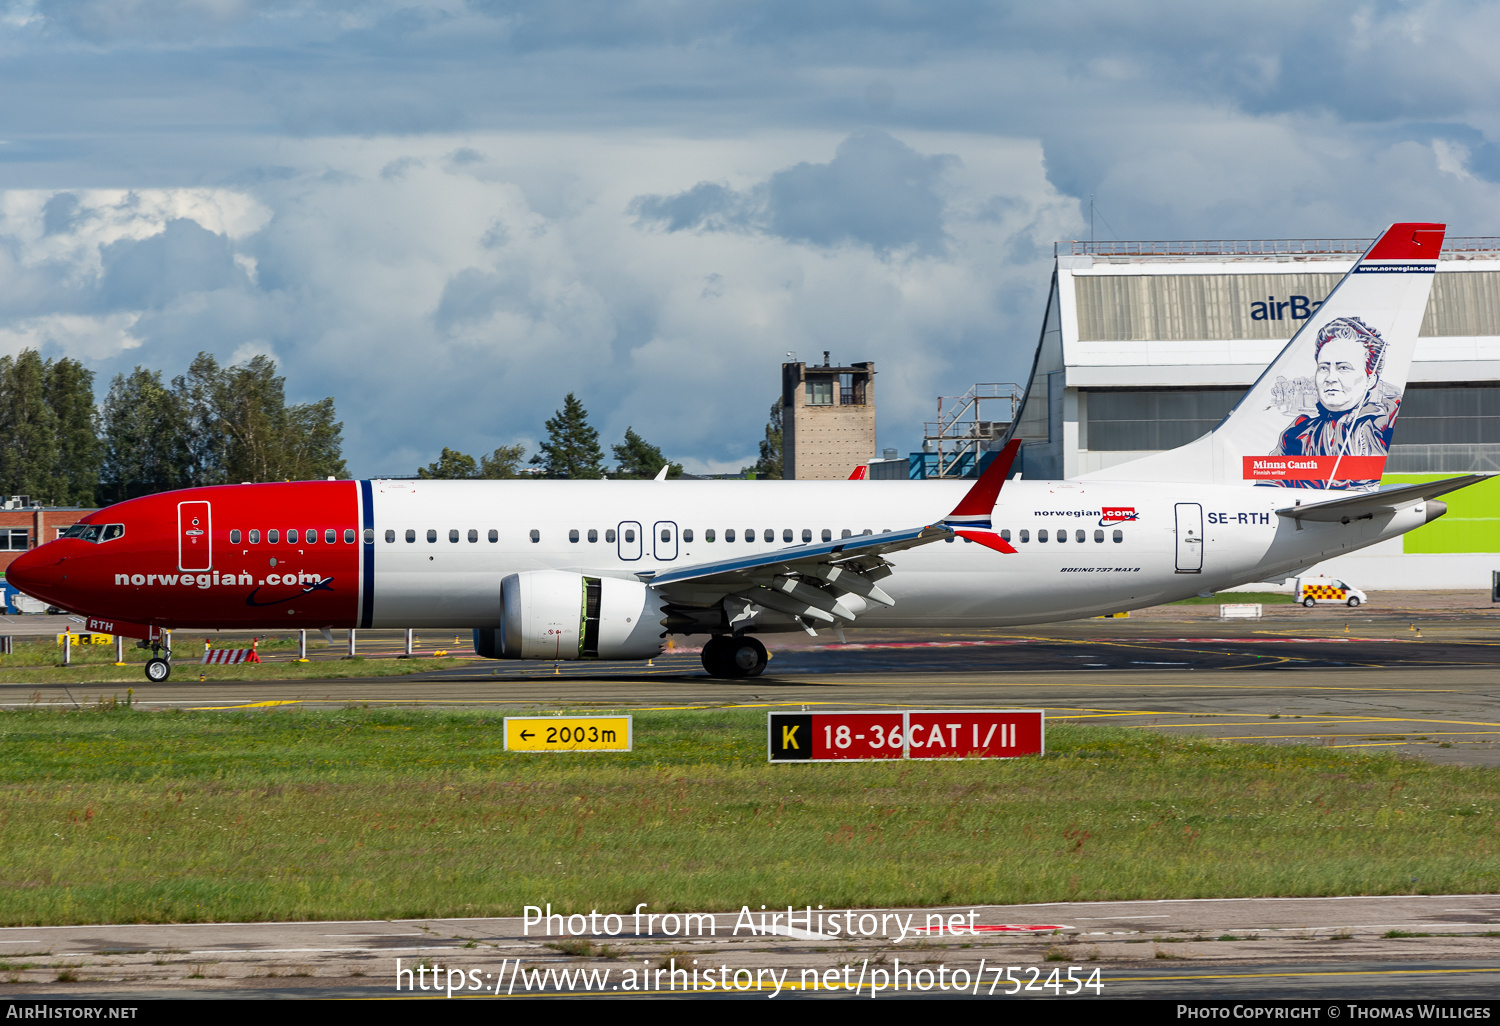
(1355, 411)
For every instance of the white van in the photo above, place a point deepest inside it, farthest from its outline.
(1313, 590)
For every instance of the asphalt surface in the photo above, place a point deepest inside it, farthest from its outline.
(1420, 681)
(1430, 947)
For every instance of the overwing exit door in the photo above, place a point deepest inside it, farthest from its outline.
(194, 536)
(1189, 538)
(630, 540)
(664, 539)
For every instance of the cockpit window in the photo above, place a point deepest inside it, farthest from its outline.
(95, 532)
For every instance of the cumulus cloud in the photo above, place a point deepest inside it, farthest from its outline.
(876, 191)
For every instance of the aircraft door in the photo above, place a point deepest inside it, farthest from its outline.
(630, 540)
(1189, 538)
(664, 539)
(194, 536)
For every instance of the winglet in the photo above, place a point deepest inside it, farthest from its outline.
(971, 518)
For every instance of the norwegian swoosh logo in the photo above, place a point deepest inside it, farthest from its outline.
(324, 585)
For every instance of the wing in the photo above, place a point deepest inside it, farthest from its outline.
(1377, 503)
(830, 583)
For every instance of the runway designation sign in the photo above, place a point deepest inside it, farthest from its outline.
(928, 734)
(568, 733)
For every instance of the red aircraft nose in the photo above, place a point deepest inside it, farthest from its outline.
(39, 573)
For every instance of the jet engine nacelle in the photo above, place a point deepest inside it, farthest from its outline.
(552, 614)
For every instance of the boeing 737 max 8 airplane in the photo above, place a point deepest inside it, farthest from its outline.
(608, 569)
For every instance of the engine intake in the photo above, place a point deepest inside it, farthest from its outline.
(552, 614)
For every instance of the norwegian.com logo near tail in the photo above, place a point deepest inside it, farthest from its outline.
(1323, 413)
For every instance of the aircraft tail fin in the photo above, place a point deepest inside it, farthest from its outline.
(1322, 414)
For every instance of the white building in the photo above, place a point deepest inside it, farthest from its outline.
(1147, 345)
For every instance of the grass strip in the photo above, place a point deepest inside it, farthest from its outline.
(130, 816)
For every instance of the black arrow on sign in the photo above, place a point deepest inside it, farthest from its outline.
(527, 735)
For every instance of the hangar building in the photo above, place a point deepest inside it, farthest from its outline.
(1147, 345)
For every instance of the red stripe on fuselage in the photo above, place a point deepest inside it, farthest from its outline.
(138, 577)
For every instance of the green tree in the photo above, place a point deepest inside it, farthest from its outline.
(28, 457)
(452, 464)
(145, 437)
(572, 447)
(70, 394)
(241, 429)
(640, 459)
(503, 463)
(769, 464)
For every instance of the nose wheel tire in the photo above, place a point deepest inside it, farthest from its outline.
(158, 670)
(734, 658)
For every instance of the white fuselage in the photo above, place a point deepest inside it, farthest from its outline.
(1174, 541)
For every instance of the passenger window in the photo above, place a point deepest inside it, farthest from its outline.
(593, 535)
(786, 535)
(630, 534)
(827, 534)
(536, 536)
(494, 535)
(431, 535)
(349, 536)
(453, 535)
(473, 536)
(609, 535)
(867, 531)
(666, 534)
(369, 536)
(411, 535)
(330, 536)
(273, 536)
(254, 537)
(390, 536)
(770, 535)
(749, 534)
(1098, 536)
(1041, 535)
(687, 535)
(845, 533)
(710, 535)
(312, 536)
(573, 536)
(1025, 535)
(291, 537)
(729, 534)
(1005, 534)
(1119, 536)
(1062, 536)
(1080, 535)
(234, 537)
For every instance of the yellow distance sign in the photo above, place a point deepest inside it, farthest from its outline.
(568, 734)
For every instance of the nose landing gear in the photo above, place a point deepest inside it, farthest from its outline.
(158, 669)
(734, 657)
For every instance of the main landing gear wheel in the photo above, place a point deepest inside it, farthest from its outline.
(734, 657)
(1309, 603)
(158, 670)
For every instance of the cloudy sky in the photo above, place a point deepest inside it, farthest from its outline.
(449, 214)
